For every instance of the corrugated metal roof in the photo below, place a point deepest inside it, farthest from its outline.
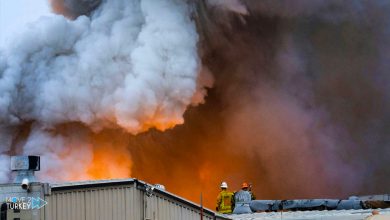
(91, 183)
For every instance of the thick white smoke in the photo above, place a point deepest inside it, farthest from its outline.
(131, 64)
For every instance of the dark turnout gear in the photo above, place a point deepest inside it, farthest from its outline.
(225, 202)
(242, 200)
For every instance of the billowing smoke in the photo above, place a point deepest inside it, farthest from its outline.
(307, 94)
(130, 66)
(299, 107)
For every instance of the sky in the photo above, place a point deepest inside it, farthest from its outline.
(16, 14)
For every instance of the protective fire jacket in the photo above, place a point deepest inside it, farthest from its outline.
(225, 202)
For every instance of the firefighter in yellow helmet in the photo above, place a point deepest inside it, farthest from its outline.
(225, 200)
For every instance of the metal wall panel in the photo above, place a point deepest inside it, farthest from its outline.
(160, 207)
(65, 205)
(118, 202)
(105, 203)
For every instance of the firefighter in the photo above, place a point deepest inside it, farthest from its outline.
(242, 200)
(225, 200)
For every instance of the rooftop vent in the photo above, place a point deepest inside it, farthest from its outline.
(24, 168)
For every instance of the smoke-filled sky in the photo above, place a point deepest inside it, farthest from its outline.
(292, 96)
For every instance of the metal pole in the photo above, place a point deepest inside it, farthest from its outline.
(201, 206)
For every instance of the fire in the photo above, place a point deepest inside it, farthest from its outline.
(106, 156)
(109, 165)
(111, 159)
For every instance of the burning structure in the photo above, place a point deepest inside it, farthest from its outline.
(298, 100)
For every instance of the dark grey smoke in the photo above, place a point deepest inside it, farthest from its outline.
(304, 90)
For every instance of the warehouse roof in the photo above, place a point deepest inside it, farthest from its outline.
(118, 182)
(91, 183)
